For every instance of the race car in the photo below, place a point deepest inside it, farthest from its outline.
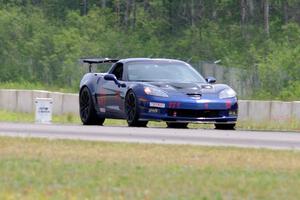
(147, 89)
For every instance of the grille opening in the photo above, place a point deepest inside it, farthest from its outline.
(195, 113)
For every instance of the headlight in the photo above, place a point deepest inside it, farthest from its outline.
(155, 92)
(227, 93)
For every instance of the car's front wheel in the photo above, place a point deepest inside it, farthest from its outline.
(176, 125)
(225, 126)
(87, 110)
(132, 111)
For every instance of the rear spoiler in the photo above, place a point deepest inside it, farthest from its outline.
(92, 61)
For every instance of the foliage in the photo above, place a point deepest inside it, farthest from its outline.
(41, 41)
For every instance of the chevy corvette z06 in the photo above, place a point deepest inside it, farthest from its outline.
(145, 89)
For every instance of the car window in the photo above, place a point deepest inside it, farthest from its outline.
(162, 71)
(118, 71)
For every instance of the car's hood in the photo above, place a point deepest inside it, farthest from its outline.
(187, 88)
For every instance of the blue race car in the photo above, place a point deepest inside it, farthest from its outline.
(144, 89)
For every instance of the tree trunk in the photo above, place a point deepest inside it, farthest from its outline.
(134, 7)
(118, 7)
(103, 3)
(192, 13)
(83, 5)
(146, 5)
(200, 10)
(127, 12)
(250, 4)
(243, 15)
(266, 17)
(286, 11)
(243, 12)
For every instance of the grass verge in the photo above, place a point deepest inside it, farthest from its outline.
(25, 85)
(62, 169)
(8, 116)
(293, 125)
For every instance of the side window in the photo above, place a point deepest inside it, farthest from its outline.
(118, 71)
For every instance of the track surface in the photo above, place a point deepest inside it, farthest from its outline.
(209, 137)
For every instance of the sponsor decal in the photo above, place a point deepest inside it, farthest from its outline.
(101, 97)
(174, 104)
(206, 105)
(228, 104)
(113, 107)
(157, 105)
(153, 110)
(117, 97)
(143, 99)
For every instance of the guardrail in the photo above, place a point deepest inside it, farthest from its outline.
(63, 103)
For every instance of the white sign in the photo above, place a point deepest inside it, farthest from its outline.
(43, 110)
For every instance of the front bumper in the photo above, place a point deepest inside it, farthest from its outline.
(201, 111)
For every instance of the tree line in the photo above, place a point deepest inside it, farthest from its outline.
(41, 40)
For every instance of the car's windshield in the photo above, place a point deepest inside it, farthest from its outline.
(162, 71)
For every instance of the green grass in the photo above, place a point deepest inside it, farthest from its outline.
(25, 85)
(293, 125)
(8, 116)
(61, 169)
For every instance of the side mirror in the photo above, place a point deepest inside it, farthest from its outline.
(112, 77)
(210, 79)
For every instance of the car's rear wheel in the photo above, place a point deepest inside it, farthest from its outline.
(87, 110)
(225, 126)
(132, 111)
(177, 125)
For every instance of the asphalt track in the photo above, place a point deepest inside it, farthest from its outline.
(207, 137)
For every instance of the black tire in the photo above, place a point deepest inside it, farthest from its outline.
(132, 111)
(88, 114)
(225, 126)
(177, 125)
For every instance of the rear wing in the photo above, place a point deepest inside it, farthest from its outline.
(92, 61)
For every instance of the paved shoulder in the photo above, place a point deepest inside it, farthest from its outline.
(253, 139)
